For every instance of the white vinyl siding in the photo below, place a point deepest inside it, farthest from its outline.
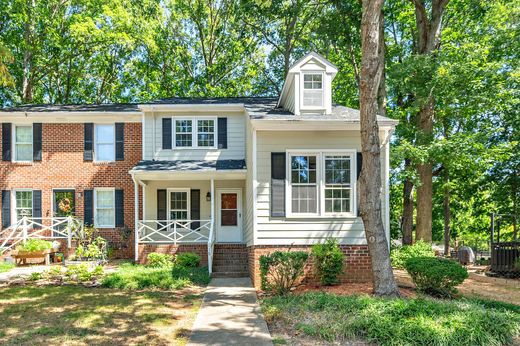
(104, 143)
(104, 208)
(23, 143)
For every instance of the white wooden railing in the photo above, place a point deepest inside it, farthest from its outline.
(177, 232)
(41, 228)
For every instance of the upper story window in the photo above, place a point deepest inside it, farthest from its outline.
(312, 90)
(23, 143)
(104, 138)
(194, 133)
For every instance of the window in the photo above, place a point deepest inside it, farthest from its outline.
(337, 184)
(23, 204)
(304, 194)
(104, 205)
(179, 204)
(23, 143)
(312, 90)
(104, 150)
(194, 133)
(321, 183)
(183, 133)
(205, 133)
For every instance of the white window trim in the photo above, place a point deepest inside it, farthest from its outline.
(13, 145)
(168, 201)
(302, 81)
(96, 224)
(320, 181)
(94, 143)
(13, 203)
(194, 132)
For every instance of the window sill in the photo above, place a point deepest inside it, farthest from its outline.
(104, 227)
(191, 148)
(23, 163)
(321, 217)
(104, 163)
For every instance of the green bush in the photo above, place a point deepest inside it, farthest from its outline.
(159, 260)
(197, 276)
(83, 272)
(401, 254)
(35, 245)
(93, 249)
(403, 321)
(279, 271)
(328, 261)
(187, 259)
(436, 276)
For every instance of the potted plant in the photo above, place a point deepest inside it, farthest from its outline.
(34, 247)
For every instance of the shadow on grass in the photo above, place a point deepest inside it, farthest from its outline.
(53, 315)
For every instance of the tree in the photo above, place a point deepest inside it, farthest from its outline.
(370, 180)
(6, 58)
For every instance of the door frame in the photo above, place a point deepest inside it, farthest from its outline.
(218, 201)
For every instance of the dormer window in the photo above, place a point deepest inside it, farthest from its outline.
(313, 90)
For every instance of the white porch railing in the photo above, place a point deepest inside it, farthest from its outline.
(40, 228)
(177, 232)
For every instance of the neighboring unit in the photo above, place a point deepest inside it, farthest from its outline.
(228, 178)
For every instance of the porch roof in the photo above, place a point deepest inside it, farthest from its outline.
(189, 166)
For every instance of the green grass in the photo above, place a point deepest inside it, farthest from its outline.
(76, 315)
(5, 267)
(130, 276)
(418, 321)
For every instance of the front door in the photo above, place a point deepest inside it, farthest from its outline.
(229, 216)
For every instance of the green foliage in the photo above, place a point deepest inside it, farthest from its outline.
(328, 261)
(436, 276)
(92, 249)
(403, 321)
(35, 276)
(187, 259)
(35, 245)
(83, 272)
(401, 254)
(159, 260)
(280, 270)
(129, 276)
(6, 266)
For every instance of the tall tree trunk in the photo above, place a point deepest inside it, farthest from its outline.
(27, 79)
(447, 213)
(381, 91)
(407, 219)
(370, 180)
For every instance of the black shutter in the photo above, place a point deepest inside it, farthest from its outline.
(37, 207)
(278, 184)
(166, 133)
(195, 208)
(161, 205)
(6, 142)
(120, 208)
(88, 152)
(359, 165)
(37, 142)
(222, 133)
(120, 141)
(88, 207)
(6, 208)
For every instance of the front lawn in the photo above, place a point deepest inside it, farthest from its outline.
(5, 267)
(417, 321)
(56, 315)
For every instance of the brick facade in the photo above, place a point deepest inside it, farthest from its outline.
(62, 167)
(200, 249)
(357, 263)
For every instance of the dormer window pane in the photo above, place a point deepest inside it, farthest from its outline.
(312, 90)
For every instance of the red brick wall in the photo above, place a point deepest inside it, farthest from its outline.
(62, 166)
(200, 249)
(357, 262)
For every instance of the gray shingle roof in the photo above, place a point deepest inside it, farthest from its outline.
(188, 165)
(104, 107)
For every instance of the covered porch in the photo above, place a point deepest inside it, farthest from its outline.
(188, 206)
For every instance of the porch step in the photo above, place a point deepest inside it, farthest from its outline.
(230, 275)
(230, 260)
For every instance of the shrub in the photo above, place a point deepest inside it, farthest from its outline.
(95, 249)
(187, 260)
(279, 270)
(35, 276)
(436, 276)
(419, 249)
(159, 260)
(35, 245)
(197, 276)
(328, 261)
(83, 272)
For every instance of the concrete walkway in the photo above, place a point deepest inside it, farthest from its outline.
(22, 271)
(230, 315)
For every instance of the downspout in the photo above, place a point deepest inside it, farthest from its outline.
(136, 219)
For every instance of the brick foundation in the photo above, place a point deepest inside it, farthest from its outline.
(357, 262)
(200, 249)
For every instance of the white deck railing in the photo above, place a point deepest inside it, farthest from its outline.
(40, 228)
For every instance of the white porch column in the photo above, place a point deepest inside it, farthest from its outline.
(212, 193)
(136, 217)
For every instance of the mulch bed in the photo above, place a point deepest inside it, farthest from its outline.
(348, 289)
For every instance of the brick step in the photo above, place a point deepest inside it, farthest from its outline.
(230, 257)
(231, 268)
(230, 275)
(229, 262)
